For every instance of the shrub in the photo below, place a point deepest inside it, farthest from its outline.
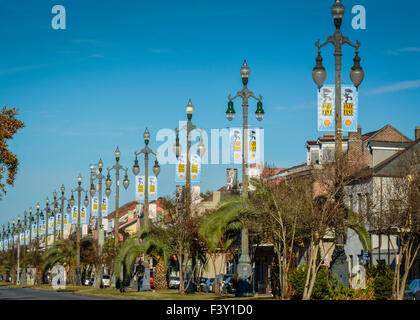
(382, 277)
(321, 288)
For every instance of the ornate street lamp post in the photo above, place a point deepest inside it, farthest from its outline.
(47, 214)
(54, 214)
(136, 170)
(98, 176)
(79, 191)
(201, 149)
(62, 199)
(319, 74)
(108, 183)
(244, 263)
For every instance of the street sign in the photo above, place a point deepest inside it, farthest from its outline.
(365, 256)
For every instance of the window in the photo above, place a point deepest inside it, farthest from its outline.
(359, 203)
(368, 204)
(314, 156)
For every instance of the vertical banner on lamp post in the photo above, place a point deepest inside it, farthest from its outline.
(195, 194)
(66, 221)
(349, 100)
(51, 225)
(195, 168)
(152, 211)
(326, 108)
(6, 244)
(42, 227)
(104, 206)
(152, 188)
(252, 146)
(74, 212)
(16, 239)
(27, 236)
(22, 238)
(58, 222)
(140, 182)
(95, 206)
(83, 218)
(180, 194)
(181, 168)
(34, 231)
(235, 138)
(1, 245)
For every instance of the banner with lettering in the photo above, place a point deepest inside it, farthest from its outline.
(95, 206)
(42, 227)
(51, 225)
(181, 168)
(27, 236)
(104, 206)
(83, 215)
(153, 192)
(58, 222)
(349, 100)
(66, 221)
(16, 240)
(21, 238)
(34, 231)
(74, 214)
(235, 139)
(195, 168)
(140, 183)
(326, 108)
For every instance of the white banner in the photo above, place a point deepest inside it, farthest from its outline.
(140, 183)
(58, 222)
(104, 206)
(152, 188)
(181, 168)
(235, 138)
(95, 206)
(83, 215)
(51, 225)
(152, 210)
(27, 236)
(34, 231)
(22, 238)
(66, 221)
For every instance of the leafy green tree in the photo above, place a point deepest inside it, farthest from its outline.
(321, 287)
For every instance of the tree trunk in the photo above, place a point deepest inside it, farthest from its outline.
(181, 274)
(159, 275)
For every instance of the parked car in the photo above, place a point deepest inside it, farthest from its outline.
(209, 285)
(228, 285)
(89, 281)
(106, 281)
(414, 292)
(173, 282)
(202, 283)
(221, 278)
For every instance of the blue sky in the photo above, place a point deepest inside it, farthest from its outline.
(123, 65)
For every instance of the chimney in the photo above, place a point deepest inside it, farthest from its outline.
(417, 133)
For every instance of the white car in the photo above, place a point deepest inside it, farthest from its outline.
(173, 282)
(106, 281)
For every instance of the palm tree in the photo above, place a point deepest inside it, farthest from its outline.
(221, 227)
(151, 241)
(62, 252)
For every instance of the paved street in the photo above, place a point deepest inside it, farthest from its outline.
(33, 294)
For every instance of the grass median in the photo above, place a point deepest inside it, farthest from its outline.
(133, 294)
